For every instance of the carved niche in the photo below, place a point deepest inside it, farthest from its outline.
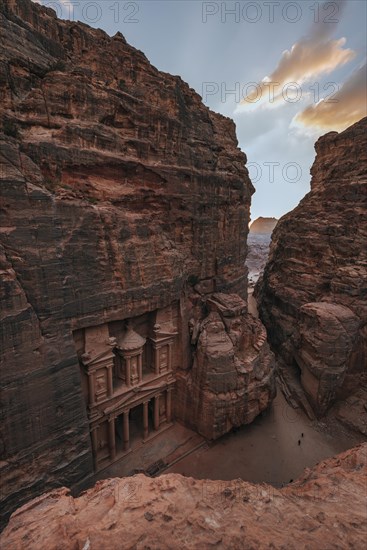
(130, 350)
(98, 363)
(162, 344)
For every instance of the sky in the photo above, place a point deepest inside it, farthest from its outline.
(285, 72)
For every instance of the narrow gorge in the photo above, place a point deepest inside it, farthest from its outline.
(128, 327)
(313, 295)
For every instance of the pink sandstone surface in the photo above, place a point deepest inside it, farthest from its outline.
(325, 508)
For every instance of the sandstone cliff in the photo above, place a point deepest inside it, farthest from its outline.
(313, 296)
(263, 225)
(123, 197)
(323, 509)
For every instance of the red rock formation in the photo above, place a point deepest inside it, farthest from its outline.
(323, 509)
(263, 225)
(313, 296)
(123, 197)
(232, 360)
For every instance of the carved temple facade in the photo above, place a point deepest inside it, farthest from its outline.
(128, 377)
(203, 361)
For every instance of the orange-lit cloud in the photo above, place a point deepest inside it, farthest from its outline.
(314, 55)
(309, 59)
(341, 110)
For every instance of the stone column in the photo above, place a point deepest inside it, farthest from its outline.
(111, 437)
(91, 388)
(140, 367)
(169, 405)
(146, 419)
(94, 446)
(127, 371)
(156, 412)
(156, 360)
(109, 381)
(169, 356)
(126, 431)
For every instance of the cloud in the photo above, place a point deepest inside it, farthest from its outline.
(346, 106)
(314, 55)
(309, 59)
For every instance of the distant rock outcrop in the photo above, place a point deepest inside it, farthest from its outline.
(257, 255)
(263, 225)
(324, 508)
(124, 205)
(313, 294)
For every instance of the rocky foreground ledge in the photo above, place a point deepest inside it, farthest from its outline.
(325, 508)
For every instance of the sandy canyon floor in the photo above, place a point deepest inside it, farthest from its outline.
(268, 450)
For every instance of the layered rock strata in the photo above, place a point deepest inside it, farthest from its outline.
(313, 295)
(324, 508)
(122, 198)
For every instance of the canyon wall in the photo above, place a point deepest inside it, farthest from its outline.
(122, 197)
(324, 508)
(313, 294)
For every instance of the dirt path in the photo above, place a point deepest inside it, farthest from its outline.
(252, 306)
(275, 448)
(268, 449)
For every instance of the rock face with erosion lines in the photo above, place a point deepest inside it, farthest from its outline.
(125, 208)
(313, 294)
